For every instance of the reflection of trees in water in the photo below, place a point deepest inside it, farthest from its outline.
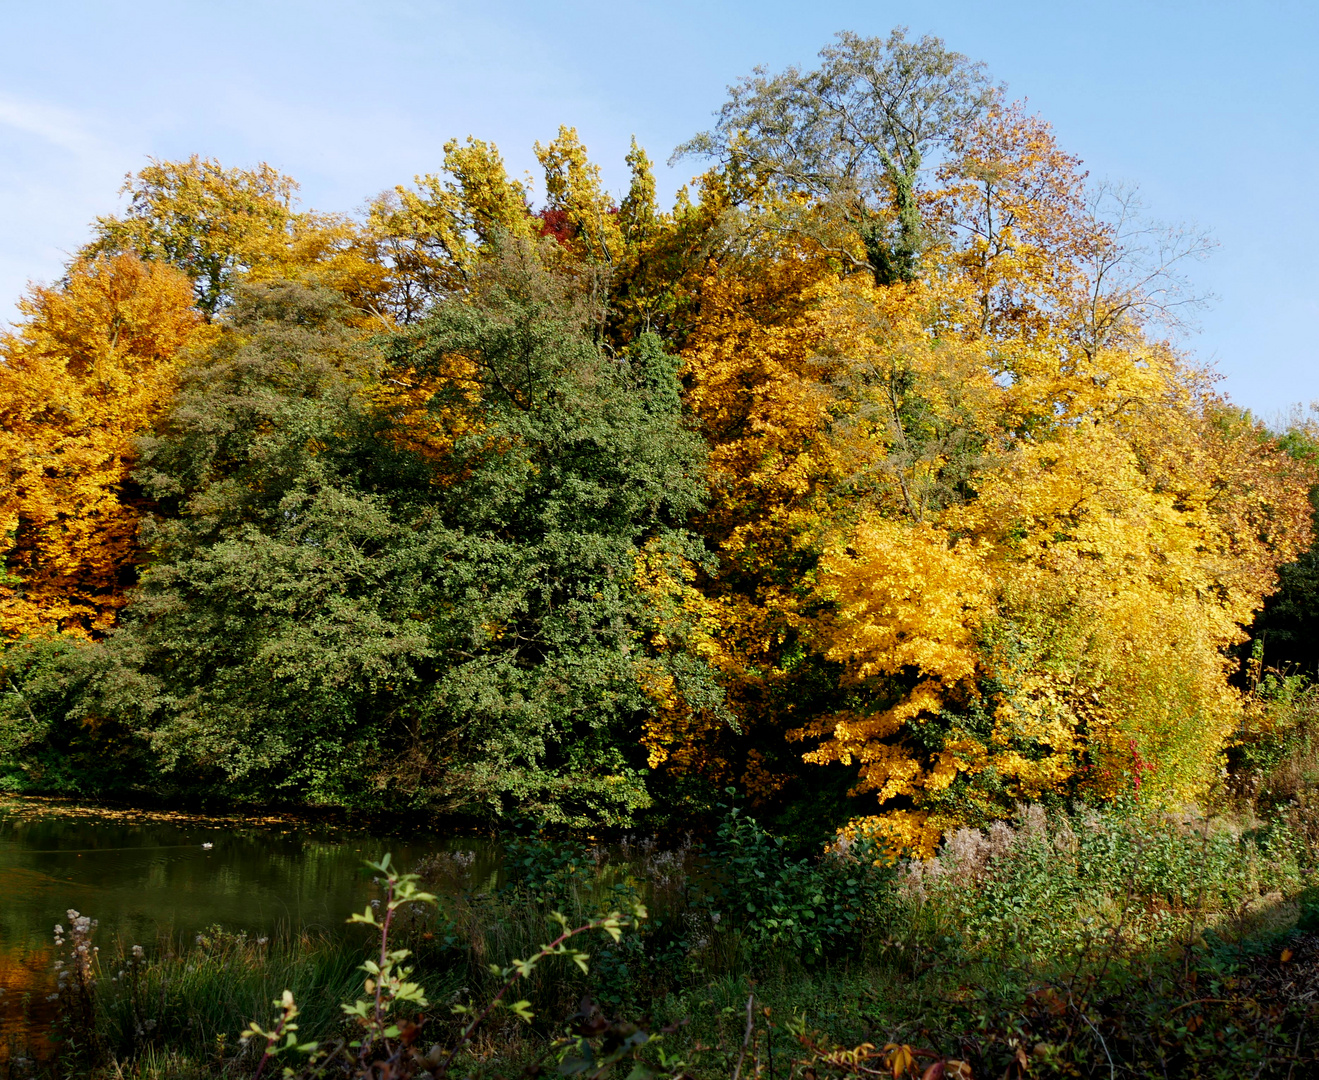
(147, 879)
(27, 980)
(34, 901)
(138, 879)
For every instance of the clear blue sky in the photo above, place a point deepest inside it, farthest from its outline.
(1212, 108)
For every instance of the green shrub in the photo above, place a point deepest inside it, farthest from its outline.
(811, 907)
(1059, 883)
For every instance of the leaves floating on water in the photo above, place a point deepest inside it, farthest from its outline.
(36, 807)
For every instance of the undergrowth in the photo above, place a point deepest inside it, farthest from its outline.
(1125, 942)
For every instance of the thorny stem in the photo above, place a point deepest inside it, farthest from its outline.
(272, 1040)
(384, 947)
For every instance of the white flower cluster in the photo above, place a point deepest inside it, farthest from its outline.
(82, 953)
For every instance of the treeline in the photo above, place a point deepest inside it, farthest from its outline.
(863, 479)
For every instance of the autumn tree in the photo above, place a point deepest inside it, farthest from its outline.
(852, 136)
(1067, 629)
(431, 235)
(208, 221)
(90, 366)
(219, 225)
(1101, 531)
(862, 478)
(1013, 529)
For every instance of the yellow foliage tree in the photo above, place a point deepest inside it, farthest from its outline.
(220, 225)
(1123, 532)
(1024, 535)
(90, 366)
(431, 235)
(754, 391)
(578, 211)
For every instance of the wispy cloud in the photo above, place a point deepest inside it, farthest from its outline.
(59, 169)
(59, 127)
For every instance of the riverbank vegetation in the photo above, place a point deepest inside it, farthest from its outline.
(1118, 943)
(867, 482)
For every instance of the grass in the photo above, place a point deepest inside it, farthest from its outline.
(1116, 943)
(180, 1005)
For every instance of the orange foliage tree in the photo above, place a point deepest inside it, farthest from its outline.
(90, 366)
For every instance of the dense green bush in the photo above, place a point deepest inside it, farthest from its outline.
(811, 908)
(326, 620)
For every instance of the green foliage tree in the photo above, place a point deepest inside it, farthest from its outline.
(329, 610)
(853, 136)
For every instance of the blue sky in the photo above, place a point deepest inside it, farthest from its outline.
(1212, 108)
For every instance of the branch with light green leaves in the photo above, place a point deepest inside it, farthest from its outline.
(285, 1028)
(388, 980)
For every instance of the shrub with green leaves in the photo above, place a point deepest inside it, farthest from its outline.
(814, 907)
(1060, 883)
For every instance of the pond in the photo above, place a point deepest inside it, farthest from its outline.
(142, 874)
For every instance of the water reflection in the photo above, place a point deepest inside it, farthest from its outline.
(141, 876)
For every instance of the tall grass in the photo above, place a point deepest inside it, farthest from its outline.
(1056, 883)
(1081, 931)
(174, 1008)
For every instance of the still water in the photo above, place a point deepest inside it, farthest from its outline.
(141, 875)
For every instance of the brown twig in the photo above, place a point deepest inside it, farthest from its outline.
(746, 1039)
